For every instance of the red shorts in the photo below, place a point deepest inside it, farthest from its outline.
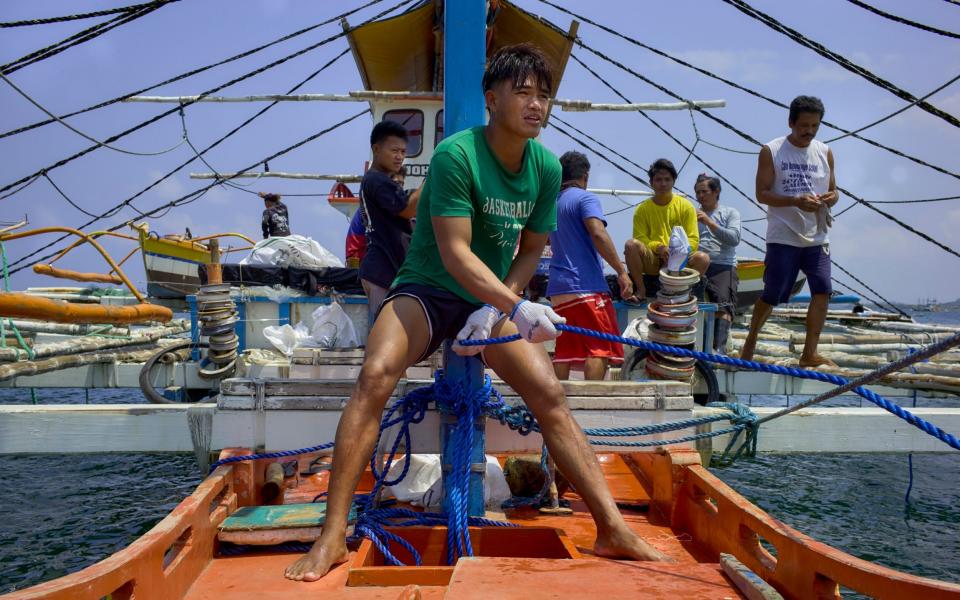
(590, 312)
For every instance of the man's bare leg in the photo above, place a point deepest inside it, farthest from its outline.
(633, 252)
(526, 368)
(398, 338)
(816, 316)
(595, 368)
(699, 262)
(761, 312)
(562, 370)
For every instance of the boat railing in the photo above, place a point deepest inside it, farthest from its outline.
(165, 561)
(721, 521)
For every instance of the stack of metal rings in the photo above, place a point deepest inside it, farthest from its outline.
(218, 319)
(672, 319)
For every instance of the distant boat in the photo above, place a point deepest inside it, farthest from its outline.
(750, 271)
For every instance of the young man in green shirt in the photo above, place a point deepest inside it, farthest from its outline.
(489, 190)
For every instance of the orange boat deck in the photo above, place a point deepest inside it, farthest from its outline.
(261, 575)
(666, 496)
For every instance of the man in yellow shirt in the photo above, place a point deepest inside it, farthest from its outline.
(653, 221)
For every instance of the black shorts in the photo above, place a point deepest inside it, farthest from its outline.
(722, 282)
(446, 312)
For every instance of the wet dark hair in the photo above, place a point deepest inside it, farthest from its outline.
(574, 165)
(805, 104)
(270, 196)
(385, 129)
(712, 182)
(516, 63)
(662, 164)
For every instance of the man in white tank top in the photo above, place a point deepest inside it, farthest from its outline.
(795, 179)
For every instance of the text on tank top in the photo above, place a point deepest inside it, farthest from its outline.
(798, 171)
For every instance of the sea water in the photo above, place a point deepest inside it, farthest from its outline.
(63, 513)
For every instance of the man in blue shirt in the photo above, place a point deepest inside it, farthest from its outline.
(577, 287)
(719, 236)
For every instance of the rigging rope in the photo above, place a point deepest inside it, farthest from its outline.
(196, 194)
(193, 71)
(898, 411)
(838, 59)
(903, 21)
(742, 88)
(747, 137)
(208, 92)
(79, 38)
(895, 113)
(89, 15)
(84, 135)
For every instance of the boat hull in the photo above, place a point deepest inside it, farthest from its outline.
(666, 496)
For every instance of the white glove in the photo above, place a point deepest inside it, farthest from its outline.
(478, 327)
(536, 321)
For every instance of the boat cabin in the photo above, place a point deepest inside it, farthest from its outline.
(400, 61)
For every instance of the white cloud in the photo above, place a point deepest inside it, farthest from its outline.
(750, 66)
(823, 73)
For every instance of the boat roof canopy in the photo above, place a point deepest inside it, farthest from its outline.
(404, 53)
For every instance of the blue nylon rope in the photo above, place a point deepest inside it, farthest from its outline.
(883, 403)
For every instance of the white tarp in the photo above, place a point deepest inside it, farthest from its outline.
(291, 251)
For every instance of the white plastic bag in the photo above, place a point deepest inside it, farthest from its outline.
(286, 338)
(679, 249)
(291, 251)
(422, 485)
(332, 328)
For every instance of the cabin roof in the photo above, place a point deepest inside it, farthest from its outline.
(404, 53)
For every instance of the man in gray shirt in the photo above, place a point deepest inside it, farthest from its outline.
(719, 228)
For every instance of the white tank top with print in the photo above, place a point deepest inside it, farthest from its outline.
(798, 171)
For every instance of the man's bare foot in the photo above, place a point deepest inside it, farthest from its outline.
(816, 361)
(626, 544)
(316, 563)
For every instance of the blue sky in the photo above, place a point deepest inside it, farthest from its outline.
(708, 33)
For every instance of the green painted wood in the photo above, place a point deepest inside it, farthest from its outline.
(285, 516)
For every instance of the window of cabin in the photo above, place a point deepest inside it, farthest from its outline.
(438, 137)
(412, 121)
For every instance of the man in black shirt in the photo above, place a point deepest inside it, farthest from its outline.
(276, 221)
(388, 210)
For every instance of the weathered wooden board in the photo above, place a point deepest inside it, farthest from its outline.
(343, 387)
(284, 516)
(575, 402)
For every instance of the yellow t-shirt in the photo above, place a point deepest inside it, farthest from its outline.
(653, 223)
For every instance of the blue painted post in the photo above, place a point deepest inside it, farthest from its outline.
(194, 328)
(464, 59)
(469, 370)
(283, 311)
(241, 327)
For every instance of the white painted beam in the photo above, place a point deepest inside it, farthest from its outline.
(164, 428)
(847, 429)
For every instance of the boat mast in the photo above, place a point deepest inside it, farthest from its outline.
(464, 59)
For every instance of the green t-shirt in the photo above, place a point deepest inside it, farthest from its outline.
(467, 180)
